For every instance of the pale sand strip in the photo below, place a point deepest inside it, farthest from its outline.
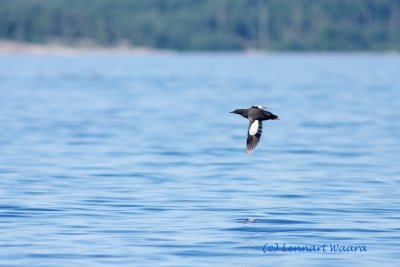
(7, 47)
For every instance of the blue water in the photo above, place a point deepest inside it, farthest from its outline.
(135, 160)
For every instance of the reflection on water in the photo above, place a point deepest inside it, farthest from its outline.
(136, 160)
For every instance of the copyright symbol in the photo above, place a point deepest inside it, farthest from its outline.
(269, 248)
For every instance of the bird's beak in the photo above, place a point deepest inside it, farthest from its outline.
(232, 112)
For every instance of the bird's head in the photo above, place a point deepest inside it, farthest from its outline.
(240, 112)
(236, 111)
(274, 117)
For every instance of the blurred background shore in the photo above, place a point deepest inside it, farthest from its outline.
(202, 25)
(10, 47)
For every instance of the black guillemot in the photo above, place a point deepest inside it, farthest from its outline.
(256, 115)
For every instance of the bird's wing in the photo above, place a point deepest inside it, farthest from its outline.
(253, 134)
(260, 107)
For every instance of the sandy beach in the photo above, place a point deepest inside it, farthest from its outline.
(8, 47)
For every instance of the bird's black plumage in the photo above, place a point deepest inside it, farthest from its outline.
(256, 115)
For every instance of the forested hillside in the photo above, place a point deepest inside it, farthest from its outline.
(207, 24)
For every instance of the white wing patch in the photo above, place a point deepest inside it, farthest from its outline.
(254, 128)
(261, 107)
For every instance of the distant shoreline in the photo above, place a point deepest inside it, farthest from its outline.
(16, 48)
(9, 47)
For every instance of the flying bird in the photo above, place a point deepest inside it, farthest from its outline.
(256, 115)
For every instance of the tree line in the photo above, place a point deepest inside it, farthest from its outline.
(321, 25)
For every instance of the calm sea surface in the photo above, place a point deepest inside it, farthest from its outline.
(135, 160)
